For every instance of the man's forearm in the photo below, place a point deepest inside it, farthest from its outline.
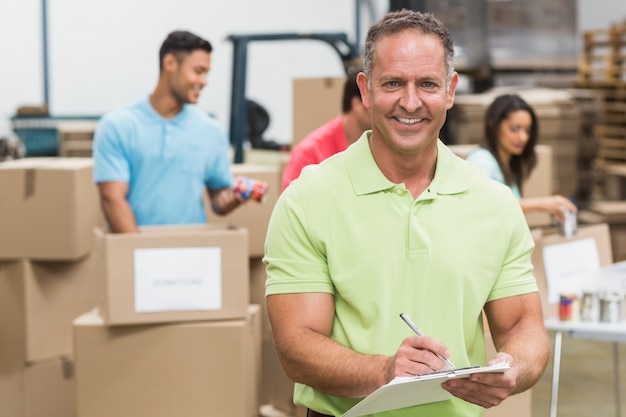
(120, 217)
(530, 349)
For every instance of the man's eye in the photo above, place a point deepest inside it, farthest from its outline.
(392, 84)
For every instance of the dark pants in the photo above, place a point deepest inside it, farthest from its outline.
(311, 413)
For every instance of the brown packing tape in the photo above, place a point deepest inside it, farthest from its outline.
(29, 183)
(68, 367)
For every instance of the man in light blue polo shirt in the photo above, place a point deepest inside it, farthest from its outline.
(398, 224)
(154, 159)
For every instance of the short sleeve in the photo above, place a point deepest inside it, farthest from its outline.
(110, 160)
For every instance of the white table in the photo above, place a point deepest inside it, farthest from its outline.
(607, 332)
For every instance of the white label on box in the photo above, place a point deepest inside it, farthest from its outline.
(178, 279)
(570, 267)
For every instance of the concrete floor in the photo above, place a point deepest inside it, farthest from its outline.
(586, 380)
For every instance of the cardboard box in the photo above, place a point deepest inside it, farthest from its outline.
(315, 102)
(598, 232)
(40, 389)
(536, 184)
(519, 405)
(171, 273)
(613, 213)
(183, 369)
(49, 208)
(75, 137)
(38, 301)
(253, 216)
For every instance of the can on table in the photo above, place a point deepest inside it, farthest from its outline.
(590, 307)
(251, 188)
(611, 307)
(569, 227)
(568, 307)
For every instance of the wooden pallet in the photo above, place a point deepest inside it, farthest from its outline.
(604, 56)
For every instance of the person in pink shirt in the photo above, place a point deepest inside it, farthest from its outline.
(333, 136)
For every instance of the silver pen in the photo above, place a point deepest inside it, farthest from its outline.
(418, 332)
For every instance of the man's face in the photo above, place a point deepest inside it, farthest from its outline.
(188, 75)
(407, 93)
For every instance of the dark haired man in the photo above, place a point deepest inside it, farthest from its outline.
(333, 136)
(154, 158)
(398, 224)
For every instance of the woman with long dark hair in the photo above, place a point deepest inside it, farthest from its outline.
(507, 152)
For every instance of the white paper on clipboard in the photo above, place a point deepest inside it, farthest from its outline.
(411, 391)
(570, 267)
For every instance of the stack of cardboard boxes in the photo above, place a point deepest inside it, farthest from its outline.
(75, 137)
(49, 208)
(276, 389)
(174, 332)
(178, 329)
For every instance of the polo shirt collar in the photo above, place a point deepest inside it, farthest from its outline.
(367, 178)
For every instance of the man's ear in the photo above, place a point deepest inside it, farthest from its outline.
(361, 80)
(170, 63)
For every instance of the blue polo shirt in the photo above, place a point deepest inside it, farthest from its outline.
(485, 159)
(167, 163)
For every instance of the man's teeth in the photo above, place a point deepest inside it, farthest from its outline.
(408, 121)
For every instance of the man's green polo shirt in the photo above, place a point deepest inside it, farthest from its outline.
(345, 229)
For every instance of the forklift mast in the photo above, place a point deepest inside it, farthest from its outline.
(347, 51)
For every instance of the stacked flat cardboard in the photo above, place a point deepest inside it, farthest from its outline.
(75, 138)
(559, 117)
(613, 182)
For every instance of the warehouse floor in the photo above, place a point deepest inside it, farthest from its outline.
(586, 380)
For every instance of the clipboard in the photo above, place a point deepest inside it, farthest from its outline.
(404, 392)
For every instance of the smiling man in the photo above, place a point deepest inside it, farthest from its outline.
(398, 224)
(153, 159)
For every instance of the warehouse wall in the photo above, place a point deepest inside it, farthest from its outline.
(104, 54)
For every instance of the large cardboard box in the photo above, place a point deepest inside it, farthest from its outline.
(172, 273)
(614, 214)
(49, 208)
(599, 233)
(38, 301)
(40, 389)
(253, 215)
(177, 369)
(538, 184)
(315, 102)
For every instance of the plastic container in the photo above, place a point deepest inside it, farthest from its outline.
(39, 133)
